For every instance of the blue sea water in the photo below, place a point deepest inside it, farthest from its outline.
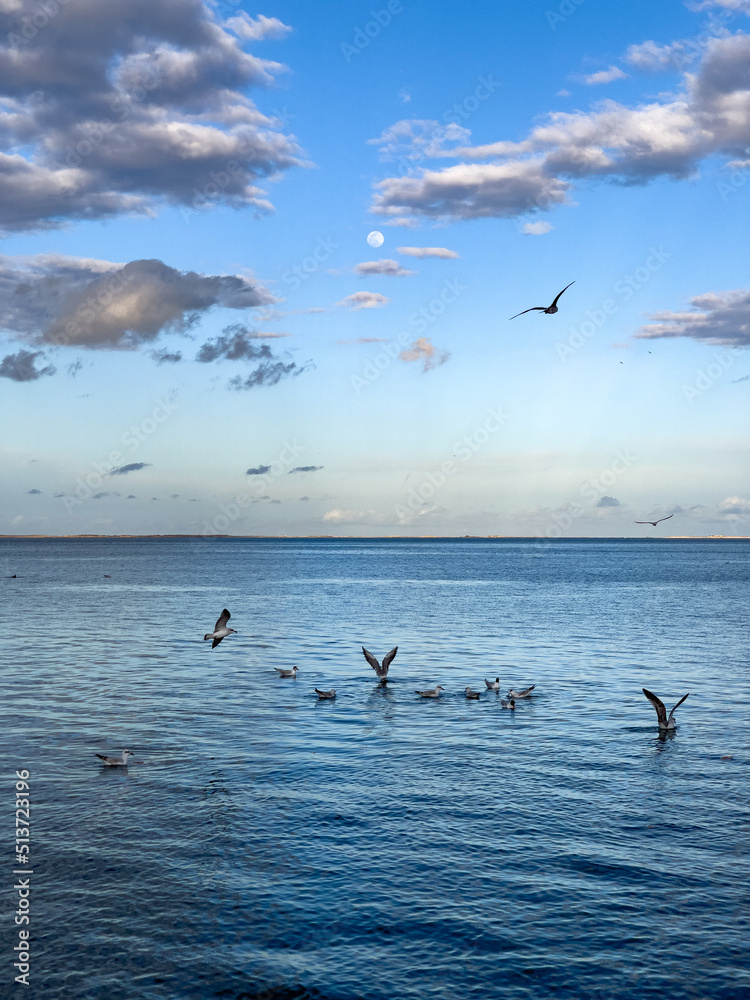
(379, 846)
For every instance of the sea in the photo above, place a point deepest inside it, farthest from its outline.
(268, 845)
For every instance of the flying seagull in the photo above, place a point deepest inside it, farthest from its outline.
(287, 673)
(471, 694)
(114, 761)
(664, 722)
(322, 695)
(493, 685)
(220, 629)
(655, 522)
(545, 309)
(380, 669)
(526, 693)
(431, 692)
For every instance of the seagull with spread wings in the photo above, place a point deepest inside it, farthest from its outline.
(664, 721)
(655, 522)
(381, 669)
(220, 629)
(546, 309)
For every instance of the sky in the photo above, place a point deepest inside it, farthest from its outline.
(259, 264)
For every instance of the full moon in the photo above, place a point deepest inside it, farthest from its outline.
(376, 239)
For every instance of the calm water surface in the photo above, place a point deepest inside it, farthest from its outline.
(380, 846)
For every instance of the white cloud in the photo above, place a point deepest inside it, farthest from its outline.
(734, 508)
(340, 516)
(422, 349)
(536, 228)
(428, 252)
(605, 76)
(650, 57)
(258, 28)
(364, 300)
(384, 266)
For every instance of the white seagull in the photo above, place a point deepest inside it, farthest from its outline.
(526, 693)
(546, 309)
(507, 704)
(470, 693)
(286, 673)
(431, 692)
(322, 695)
(220, 629)
(664, 722)
(115, 761)
(493, 685)
(380, 669)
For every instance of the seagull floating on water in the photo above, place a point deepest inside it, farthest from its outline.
(286, 673)
(431, 692)
(380, 669)
(664, 722)
(545, 309)
(526, 693)
(655, 522)
(325, 694)
(220, 629)
(470, 693)
(115, 761)
(507, 703)
(493, 685)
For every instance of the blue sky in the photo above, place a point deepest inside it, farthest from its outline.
(197, 336)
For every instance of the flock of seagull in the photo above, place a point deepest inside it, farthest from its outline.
(222, 630)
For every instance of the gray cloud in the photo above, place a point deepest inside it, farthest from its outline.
(237, 343)
(391, 268)
(123, 470)
(364, 340)
(166, 357)
(628, 145)
(33, 491)
(609, 502)
(364, 300)
(119, 107)
(306, 468)
(723, 318)
(20, 366)
(259, 470)
(422, 349)
(267, 373)
(63, 300)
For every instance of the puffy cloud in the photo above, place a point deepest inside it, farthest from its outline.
(649, 57)
(605, 76)
(724, 318)
(536, 228)
(340, 516)
(383, 266)
(428, 252)
(20, 367)
(237, 343)
(119, 105)
(425, 351)
(414, 139)
(255, 29)
(629, 145)
(608, 502)
(306, 468)
(364, 300)
(734, 508)
(259, 470)
(62, 300)
(123, 470)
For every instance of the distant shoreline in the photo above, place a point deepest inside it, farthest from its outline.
(392, 538)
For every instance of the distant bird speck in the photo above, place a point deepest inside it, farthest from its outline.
(546, 309)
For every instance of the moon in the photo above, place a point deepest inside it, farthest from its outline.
(375, 239)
